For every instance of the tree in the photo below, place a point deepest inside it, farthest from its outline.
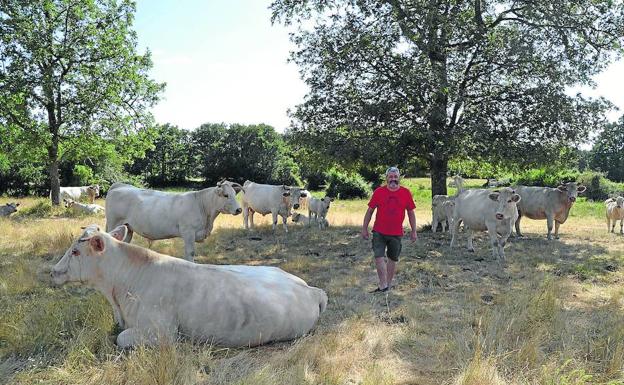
(607, 155)
(439, 79)
(69, 70)
(170, 161)
(240, 152)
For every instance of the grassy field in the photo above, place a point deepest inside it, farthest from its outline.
(553, 315)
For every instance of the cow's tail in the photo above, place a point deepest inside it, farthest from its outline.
(323, 300)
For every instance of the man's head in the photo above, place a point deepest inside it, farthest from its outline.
(393, 175)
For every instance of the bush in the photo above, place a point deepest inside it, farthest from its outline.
(598, 186)
(546, 177)
(344, 185)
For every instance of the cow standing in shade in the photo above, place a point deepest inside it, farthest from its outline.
(494, 211)
(160, 215)
(441, 211)
(615, 212)
(157, 298)
(78, 193)
(269, 199)
(552, 204)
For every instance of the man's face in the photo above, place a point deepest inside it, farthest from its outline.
(392, 179)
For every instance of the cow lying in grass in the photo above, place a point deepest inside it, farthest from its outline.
(304, 220)
(81, 208)
(157, 298)
(8, 209)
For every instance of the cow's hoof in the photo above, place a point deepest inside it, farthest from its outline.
(471, 250)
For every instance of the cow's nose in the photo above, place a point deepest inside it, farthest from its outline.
(572, 199)
(499, 216)
(238, 211)
(296, 206)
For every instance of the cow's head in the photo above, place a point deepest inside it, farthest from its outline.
(294, 195)
(68, 202)
(325, 202)
(507, 199)
(95, 190)
(226, 196)
(449, 207)
(572, 190)
(457, 182)
(619, 202)
(83, 261)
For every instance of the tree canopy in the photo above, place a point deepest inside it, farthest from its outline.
(607, 155)
(395, 79)
(71, 79)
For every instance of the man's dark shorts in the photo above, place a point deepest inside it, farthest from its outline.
(391, 242)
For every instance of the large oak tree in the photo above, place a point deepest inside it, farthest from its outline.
(70, 69)
(437, 79)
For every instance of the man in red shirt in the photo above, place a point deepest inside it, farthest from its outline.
(391, 202)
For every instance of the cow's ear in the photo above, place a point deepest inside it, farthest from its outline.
(494, 196)
(581, 189)
(563, 188)
(119, 232)
(97, 243)
(516, 198)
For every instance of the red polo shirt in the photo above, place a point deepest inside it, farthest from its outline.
(391, 206)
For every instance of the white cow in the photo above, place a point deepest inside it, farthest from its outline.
(303, 219)
(552, 204)
(494, 211)
(161, 215)
(157, 298)
(81, 208)
(615, 212)
(442, 207)
(78, 193)
(8, 209)
(269, 199)
(318, 207)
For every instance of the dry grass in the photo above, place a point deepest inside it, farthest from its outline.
(553, 315)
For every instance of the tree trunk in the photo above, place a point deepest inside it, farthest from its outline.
(53, 172)
(439, 168)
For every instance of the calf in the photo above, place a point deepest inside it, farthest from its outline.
(302, 219)
(318, 207)
(615, 212)
(442, 211)
(157, 298)
(494, 211)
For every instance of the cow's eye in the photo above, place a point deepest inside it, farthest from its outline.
(509, 201)
(75, 252)
(226, 196)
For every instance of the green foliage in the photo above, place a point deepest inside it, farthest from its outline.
(545, 177)
(598, 186)
(238, 152)
(343, 185)
(607, 155)
(83, 174)
(71, 80)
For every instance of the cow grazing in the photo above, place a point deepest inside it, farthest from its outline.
(269, 199)
(303, 219)
(552, 204)
(157, 298)
(615, 212)
(8, 209)
(318, 207)
(160, 215)
(494, 211)
(78, 193)
(81, 208)
(442, 212)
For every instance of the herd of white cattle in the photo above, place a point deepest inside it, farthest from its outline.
(156, 297)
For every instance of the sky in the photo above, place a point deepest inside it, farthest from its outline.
(223, 61)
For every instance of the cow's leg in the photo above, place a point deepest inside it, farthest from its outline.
(621, 226)
(549, 225)
(491, 229)
(609, 228)
(434, 223)
(251, 217)
(557, 224)
(454, 231)
(517, 224)
(309, 217)
(274, 217)
(246, 217)
(469, 244)
(189, 246)
(284, 219)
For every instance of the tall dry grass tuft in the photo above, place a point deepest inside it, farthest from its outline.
(480, 371)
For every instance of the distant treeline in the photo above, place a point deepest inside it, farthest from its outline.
(201, 157)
